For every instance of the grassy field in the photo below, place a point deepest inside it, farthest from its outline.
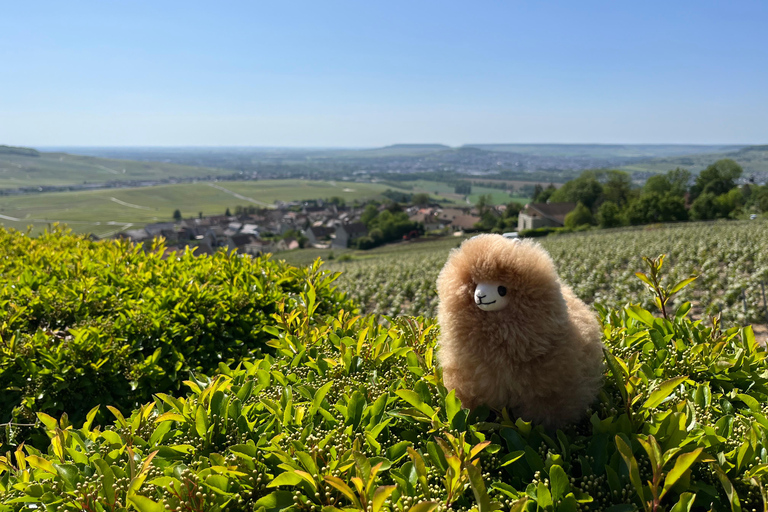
(515, 183)
(61, 169)
(102, 212)
(446, 191)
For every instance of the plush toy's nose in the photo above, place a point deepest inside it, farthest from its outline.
(491, 296)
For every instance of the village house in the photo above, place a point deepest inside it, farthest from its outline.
(214, 235)
(348, 233)
(429, 220)
(283, 227)
(249, 244)
(241, 243)
(185, 232)
(543, 215)
(216, 220)
(287, 244)
(250, 229)
(458, 219)
(260, 246)
(449, 214)
(318, 234)
(157, 228)
(233, 228)
(313, 209)
(134, 235)
(464, 222)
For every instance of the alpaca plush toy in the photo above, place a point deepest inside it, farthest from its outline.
(514, 336)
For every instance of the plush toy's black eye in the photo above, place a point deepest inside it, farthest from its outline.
(502, 291)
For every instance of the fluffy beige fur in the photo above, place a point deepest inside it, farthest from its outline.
(540, 357)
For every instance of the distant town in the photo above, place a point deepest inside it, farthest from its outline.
(309, 224)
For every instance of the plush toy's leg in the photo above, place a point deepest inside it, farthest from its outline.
(458, 380)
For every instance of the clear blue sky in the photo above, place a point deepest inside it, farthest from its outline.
(371, 73)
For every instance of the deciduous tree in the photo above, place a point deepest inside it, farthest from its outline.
(580, 216)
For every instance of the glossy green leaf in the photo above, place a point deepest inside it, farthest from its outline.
(682, 464)
(685, 503)
(640, 314)
(414, 399)
(558, 482)
(682, 284)
(452, 405)
(662, 391)
(380, 496)
(275, 501)
(634, 471)
(730, 492)
(285, 478)
(144, 504)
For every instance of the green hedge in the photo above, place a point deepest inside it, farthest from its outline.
(351, 414)
(84, 323)
(539, 232)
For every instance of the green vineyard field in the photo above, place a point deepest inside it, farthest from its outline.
(731, 259)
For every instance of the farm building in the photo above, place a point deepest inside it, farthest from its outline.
(544, 215)
(347, 233)
(317, 234)
(430, 220)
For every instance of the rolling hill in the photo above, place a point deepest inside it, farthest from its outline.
(518, 159)
(754, 160)
(607, 150)
(26, 167)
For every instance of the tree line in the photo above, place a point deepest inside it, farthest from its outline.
(387, 224)
(608, 198)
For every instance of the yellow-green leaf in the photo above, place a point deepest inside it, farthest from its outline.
(40, 463)
(644, 278)
(286, 478)
(201, 421)
(634, 471)
(342, 487)
(662, 391)
(144, 504)
(49, 421)
(424, 506)
(170, 416)
(682, 464)
(380, 496)
(733, 497)
(682, 284)
(119, 416)
(640, 314)
(558, 482)
(616, 372)
(415, 400)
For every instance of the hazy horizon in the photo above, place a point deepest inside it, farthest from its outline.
(47, 146)
(204, 146)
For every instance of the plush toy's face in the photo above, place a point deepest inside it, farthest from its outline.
(491, 296)
(500, 297)
(493, 279)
